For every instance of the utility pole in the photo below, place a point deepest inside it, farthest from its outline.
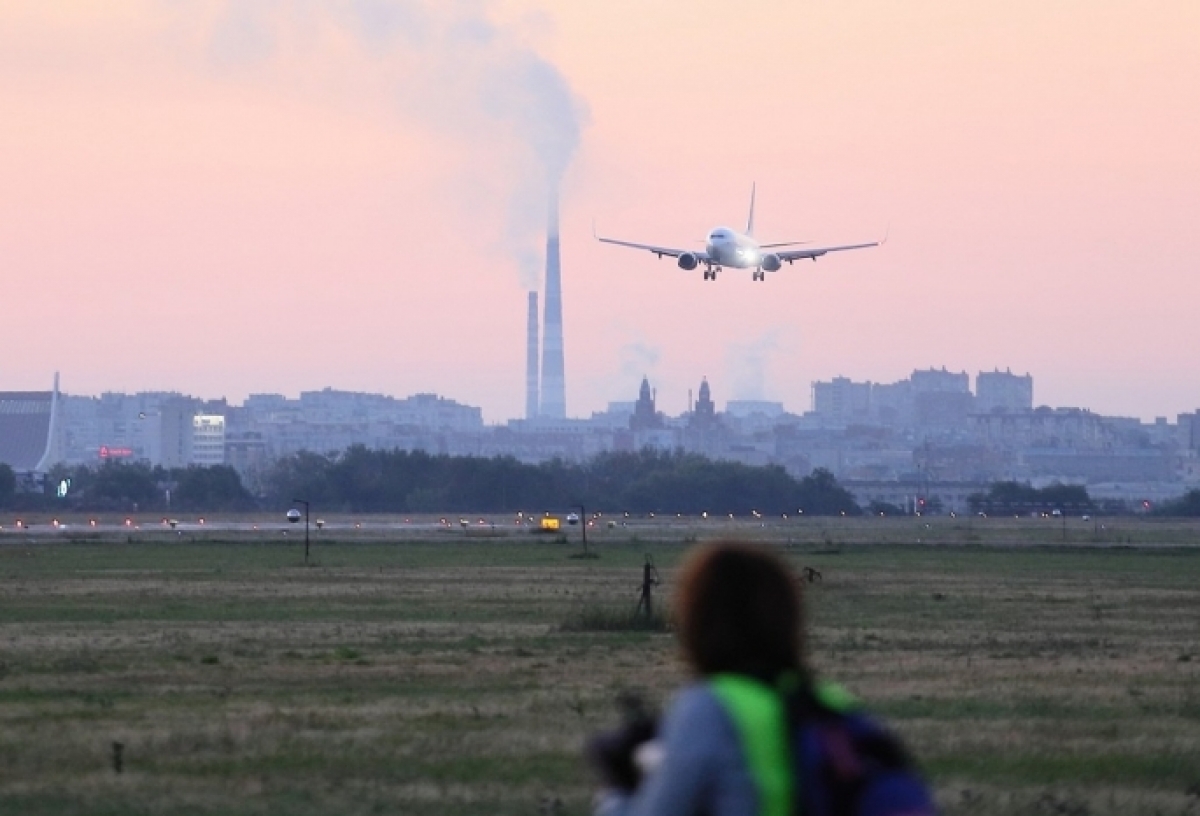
(294, 516)
(583, 523)
(649, 581)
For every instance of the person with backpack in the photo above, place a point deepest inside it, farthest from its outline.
(756, 734)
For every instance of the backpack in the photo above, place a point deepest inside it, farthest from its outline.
(850, 765)
(842, 762)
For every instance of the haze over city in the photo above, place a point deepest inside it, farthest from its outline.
(224, 198)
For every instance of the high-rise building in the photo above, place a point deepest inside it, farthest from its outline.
(208, 440)
(1003, 391)
(842, 400)
(553, 396)
(932, 380)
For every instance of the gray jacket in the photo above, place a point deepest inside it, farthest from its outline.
(703, 771)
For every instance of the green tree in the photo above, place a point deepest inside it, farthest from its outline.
(1015, 497)
(120, 486)
(1186, 505)
(821, 495)
(8, 485)
(209, 488)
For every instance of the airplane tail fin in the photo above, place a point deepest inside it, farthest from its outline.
(750, 220)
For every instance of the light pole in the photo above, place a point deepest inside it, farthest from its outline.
(583, 522)
(294, 516)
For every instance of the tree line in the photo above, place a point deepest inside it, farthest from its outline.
(132, 487)
(647, 481)
(360, 480)
(1015, 497)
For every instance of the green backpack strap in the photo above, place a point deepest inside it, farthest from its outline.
(759, 717)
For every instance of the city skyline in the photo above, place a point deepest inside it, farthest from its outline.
(215, 200)
(966, 381)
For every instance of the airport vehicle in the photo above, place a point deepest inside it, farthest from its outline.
(728, 247)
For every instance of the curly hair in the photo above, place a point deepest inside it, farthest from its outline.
(739, 610)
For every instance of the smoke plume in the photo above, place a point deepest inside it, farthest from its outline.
(748, 363)
(445, 66)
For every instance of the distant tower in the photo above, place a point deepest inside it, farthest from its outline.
(645, 415)
(531, 361)
(554, 389)
(705, 410)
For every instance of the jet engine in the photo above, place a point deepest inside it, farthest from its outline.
(689, 261)
(771, 262)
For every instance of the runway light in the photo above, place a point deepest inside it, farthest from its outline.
(128, 522)
(201, 521)
(92, 522)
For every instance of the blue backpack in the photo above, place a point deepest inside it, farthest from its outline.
(848, 764)
(812, 752)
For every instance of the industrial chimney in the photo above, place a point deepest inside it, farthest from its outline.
(554, 390)
(531, 360)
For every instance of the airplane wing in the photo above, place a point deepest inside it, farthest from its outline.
(793, 255)
(660, 251)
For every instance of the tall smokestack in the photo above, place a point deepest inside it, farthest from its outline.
(554, 389)
(531, 361)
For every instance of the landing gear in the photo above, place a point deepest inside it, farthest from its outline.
(759, 275)
(710, 272)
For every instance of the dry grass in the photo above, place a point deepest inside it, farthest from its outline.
(437, 677)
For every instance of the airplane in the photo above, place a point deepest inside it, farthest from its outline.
(728, 247)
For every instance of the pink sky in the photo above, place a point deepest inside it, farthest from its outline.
(217, 202)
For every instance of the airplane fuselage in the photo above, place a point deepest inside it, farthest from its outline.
(728, 247)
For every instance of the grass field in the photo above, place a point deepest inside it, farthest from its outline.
(456, 674)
